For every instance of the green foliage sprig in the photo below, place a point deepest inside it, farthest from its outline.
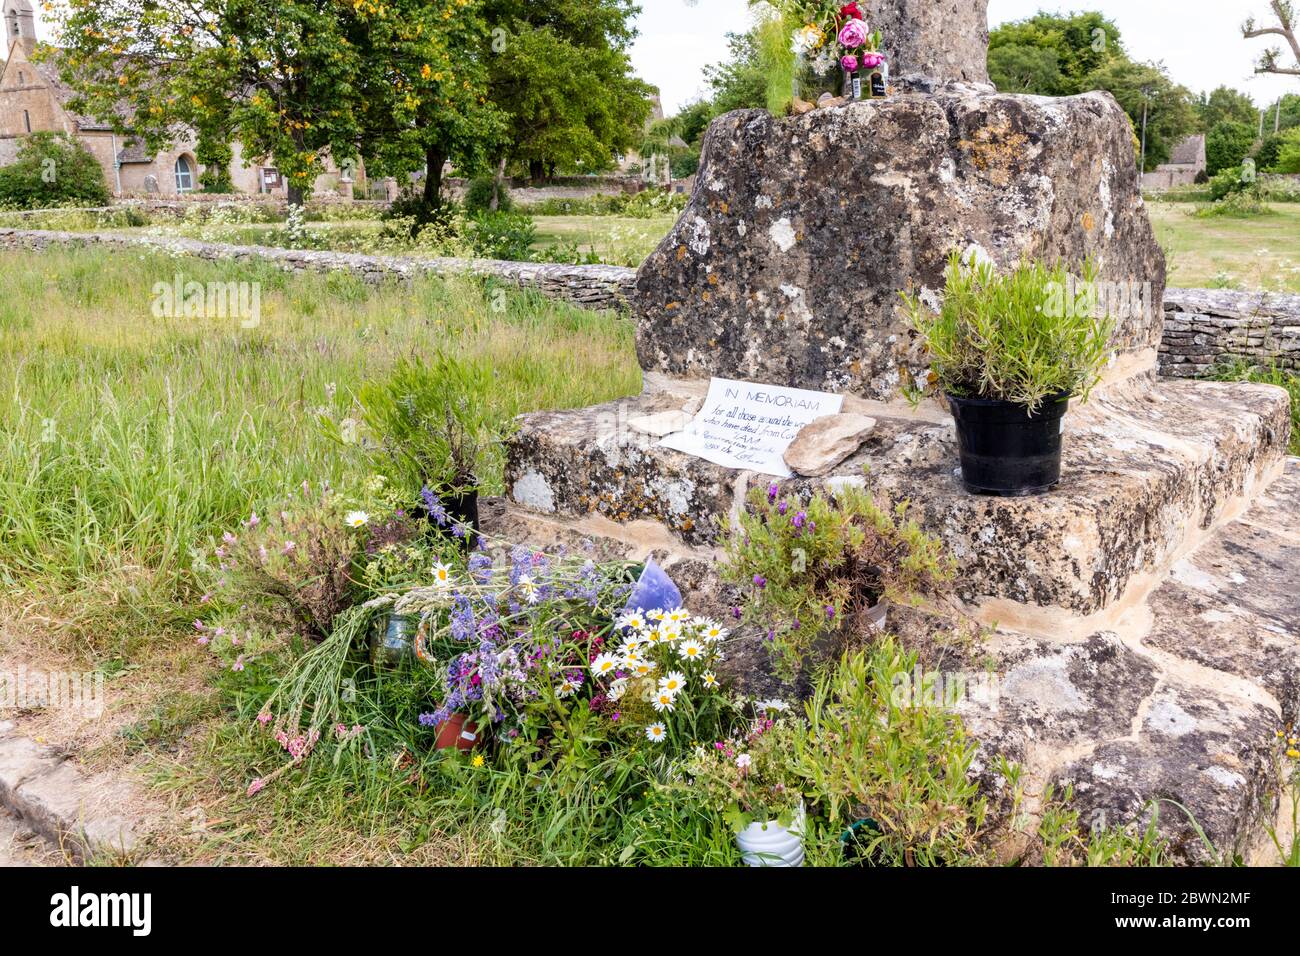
(431, 423)
(907, 766)
(1022, 337)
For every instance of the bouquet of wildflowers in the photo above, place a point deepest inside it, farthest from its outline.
(503, 639)
(828, 34)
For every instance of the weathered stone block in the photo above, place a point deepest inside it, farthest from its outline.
(786, 266)
(1145, 465)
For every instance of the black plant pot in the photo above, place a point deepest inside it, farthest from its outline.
(1005, 450)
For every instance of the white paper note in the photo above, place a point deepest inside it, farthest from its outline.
(748, 426)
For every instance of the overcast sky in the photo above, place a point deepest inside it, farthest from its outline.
(1199, 41)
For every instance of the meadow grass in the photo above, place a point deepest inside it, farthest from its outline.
(127, 440)
(618, 240)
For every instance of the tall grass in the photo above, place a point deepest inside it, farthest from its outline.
(126, 440)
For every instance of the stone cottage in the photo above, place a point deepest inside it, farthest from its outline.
(33, 98)
(1186, 162)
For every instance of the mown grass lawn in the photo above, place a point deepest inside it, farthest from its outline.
(1255, 253)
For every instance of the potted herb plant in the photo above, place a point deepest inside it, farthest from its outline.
(750, 779)
(433, 428)
(1009, 351)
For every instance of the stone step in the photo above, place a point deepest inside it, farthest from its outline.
(1149, 468)
(1179, 702)
(86, 816)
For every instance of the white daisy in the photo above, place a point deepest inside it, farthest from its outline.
(568, 687)
(679, 616)
(356, 519)
(670, 633)
(529, 588)
(663, 701)
(710, 680)
(656, 615)
(441, 575)
(644, 668)
(634, 620)
(604, 664)
(691, 649)
(632, 643)
(713, 632)
(654, 635)
(630, 658)
(656, 733)
(672, 683)
(771, 705)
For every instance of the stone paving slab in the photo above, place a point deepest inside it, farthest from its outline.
(1177, 709)
(86, 815)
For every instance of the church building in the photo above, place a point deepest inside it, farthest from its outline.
(34, 99)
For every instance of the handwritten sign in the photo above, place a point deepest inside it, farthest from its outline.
(748, 426)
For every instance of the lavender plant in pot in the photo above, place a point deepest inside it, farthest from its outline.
(432, 428)
(1008, 352)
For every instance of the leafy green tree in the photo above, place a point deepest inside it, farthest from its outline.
(1083, 43)
(279, 75)
(1170, 115)
(1225, 105)
(738, 82)
(215, 154)
(52, 169)
(423, 90)
(1288, 159)
(1269, 152)
(695, 119)
(1226, 145)
(1016, 68)
(560, 72)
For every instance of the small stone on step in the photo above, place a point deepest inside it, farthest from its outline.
(661, 424)
(827, 441)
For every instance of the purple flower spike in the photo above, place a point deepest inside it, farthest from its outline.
(760, 581)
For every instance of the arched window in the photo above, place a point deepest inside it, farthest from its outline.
(184, 175)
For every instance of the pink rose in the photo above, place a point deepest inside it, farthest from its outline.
(849, 63)
(853, 34)
(872, 60)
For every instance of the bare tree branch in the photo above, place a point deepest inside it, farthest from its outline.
(1285, 14)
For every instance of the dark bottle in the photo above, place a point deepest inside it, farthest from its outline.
(879, 86)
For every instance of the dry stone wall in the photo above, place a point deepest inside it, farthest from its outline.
(593, 287)
(1208, 327)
